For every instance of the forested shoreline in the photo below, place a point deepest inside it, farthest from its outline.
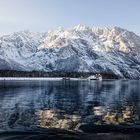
(14, 73)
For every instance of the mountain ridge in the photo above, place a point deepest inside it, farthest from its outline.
(81, 48)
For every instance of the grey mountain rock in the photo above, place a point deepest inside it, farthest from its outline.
(83, 49)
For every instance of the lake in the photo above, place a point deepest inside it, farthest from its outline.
(66, 105)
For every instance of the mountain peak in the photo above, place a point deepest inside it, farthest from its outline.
(81, 27)
(118, 30)
(112, 50)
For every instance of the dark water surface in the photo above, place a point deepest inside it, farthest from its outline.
(33, 105)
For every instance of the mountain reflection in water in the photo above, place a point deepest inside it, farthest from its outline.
(67, 104)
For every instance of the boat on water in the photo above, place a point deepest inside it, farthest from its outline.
(95, 77)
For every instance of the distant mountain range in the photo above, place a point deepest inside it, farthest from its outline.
(79, 49)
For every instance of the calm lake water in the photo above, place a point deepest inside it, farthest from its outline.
(67, 104)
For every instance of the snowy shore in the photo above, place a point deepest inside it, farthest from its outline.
(35, 78)
(29, 78)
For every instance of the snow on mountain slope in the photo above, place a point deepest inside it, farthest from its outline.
(112, 50)
(18, 50)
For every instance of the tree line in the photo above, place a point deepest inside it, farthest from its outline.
(14, 73)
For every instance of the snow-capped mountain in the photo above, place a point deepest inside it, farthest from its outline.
(112, 50)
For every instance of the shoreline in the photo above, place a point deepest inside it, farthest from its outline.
(36, 78)
(51, 79)
(127, 132)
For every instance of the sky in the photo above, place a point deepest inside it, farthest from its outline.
(43, 15)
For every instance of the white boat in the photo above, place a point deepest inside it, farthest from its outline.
(95, 77)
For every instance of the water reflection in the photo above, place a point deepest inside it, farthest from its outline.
(59, 104)
(57, 119)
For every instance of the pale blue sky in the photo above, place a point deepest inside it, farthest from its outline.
(42, 15)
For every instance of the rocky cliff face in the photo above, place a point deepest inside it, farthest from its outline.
(112, 50)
